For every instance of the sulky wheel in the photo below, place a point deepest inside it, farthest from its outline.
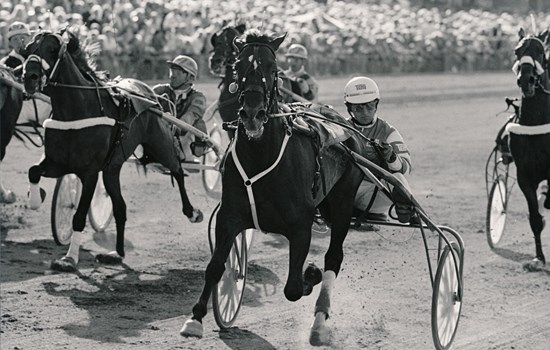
(100, 213)
(228, 294)
(496, 211)
(211, 179)
(446, 299)
(64, 203)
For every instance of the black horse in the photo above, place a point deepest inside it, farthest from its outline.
(530, 140)
(93, 129)
(270, 165)
(222, 61)
(11, 102)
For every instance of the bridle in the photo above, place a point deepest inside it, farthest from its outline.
(254, 68)
(45, 80)
(538, 67)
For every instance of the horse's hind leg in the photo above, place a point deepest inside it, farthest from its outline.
(194, 215)
(111, 179)
(225, 235)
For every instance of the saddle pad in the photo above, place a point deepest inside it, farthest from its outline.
(329, 133)
(140, 94)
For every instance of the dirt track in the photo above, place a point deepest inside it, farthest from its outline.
(382, 298)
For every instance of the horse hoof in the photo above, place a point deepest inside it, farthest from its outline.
(111, 258)
(65, 264)
(7, 197)
(319, 336)
(312, 277)
(533, 265)
(197, 216)
(192, 328)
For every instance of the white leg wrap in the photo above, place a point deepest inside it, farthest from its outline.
(74, 248)
(325, 295)
(34, 199)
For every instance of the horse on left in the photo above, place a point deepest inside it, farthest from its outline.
(11, 102)
(95, 126)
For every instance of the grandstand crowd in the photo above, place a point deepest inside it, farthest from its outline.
(137, 36)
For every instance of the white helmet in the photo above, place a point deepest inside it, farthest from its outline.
(361, 90)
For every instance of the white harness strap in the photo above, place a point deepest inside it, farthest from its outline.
(77, 124)
(518, 129)
(249, 181)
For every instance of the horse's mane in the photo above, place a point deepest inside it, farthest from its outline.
(255, 36)
(84, 56)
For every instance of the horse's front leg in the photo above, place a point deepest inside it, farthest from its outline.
(111, 180)
(536, 221)
(36, 193)
(299, 241)
(69, 262)
(341, 217)
(225, 235)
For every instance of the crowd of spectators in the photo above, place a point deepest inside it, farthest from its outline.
(137, 36)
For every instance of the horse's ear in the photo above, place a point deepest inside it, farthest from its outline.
(241, 28)
(213, 39)
(71, 40)
(238, 44)
(521, 33)
(275, 43)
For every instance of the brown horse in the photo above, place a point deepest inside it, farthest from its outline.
(92, 129)
(268, 184)
(530, 138)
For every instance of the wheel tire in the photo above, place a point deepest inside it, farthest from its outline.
(100, 213)
(64, 203)
(446, 307)
(228, 293)
(496, 212)
(211, 179)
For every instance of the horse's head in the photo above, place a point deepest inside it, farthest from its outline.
(531, 55)
(256, 79)
(224, 53)
(43, 55)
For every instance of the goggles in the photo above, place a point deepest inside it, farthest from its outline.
(358, 107)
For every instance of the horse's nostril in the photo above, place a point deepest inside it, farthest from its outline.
(33, 76)
(531, 80)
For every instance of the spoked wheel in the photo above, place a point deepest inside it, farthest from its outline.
(446, 300)
(100, 213)
(228, 294)
(64, 203)
(496, 211)
(211, 179)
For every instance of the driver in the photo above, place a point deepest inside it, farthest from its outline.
(190, 104)
(361, 96)
(18, 37)
(303, 84)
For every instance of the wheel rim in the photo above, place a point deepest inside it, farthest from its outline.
(212, 177)
(65, 207)
(101, 207)
(497, 218)
(448, 306)
(230, 289)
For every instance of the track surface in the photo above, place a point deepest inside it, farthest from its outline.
(382, 298)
